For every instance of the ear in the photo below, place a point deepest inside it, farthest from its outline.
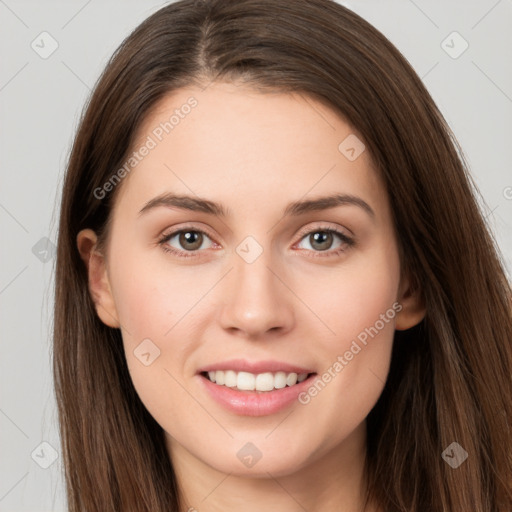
(413, 307)
(99, 284)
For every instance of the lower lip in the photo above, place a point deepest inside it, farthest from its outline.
(253, 403)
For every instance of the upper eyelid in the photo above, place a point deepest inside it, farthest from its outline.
(325, 226)
(174, 232)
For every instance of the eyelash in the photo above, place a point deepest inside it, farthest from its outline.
(349, 242)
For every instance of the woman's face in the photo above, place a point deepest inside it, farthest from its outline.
(263, 289)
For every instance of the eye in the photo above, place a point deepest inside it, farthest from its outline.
(321, 240)
(190, 241)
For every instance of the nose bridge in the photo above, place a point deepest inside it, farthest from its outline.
(256, 300)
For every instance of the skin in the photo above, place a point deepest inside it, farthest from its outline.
(254, 153)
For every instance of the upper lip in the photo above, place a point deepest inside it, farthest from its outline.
(256, 367)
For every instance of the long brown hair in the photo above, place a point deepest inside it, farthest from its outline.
(450, 377)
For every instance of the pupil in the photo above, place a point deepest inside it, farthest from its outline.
(188, 238)
(321, 236)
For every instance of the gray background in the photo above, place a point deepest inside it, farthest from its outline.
(40, 102)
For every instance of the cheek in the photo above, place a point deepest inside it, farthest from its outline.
(157, 305)
(151, 299)
(356, 355)
(143, 309)
(352, 297)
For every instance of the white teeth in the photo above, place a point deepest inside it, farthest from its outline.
(264, 382)
(280, 380)
(230, 378)
(291, 379)
(246, 381)
(218, 378)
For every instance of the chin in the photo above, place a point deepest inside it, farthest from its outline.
(249, 460)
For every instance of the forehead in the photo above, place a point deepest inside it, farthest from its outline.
(247, 149)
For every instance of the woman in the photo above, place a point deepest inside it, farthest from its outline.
(337, 335)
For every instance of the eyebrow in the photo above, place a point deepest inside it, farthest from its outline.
(198, 204)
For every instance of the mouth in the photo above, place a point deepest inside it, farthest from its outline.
(252, 383)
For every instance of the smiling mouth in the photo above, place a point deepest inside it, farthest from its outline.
(258, 383)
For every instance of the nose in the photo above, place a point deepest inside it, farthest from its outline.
(257, 299)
